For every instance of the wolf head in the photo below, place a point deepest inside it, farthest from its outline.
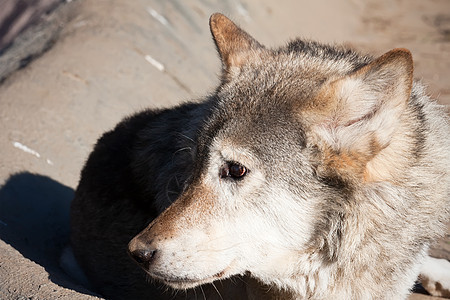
(292, 136)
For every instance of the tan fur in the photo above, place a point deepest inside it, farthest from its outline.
(234, 54)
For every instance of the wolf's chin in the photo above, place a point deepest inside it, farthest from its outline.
(182, 283)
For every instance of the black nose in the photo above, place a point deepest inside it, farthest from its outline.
(143, 257)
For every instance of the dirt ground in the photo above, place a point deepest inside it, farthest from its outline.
(109, 58)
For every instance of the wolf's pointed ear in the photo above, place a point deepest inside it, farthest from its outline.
(359, 113)
(233, 44)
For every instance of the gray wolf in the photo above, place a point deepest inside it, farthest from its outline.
(312, 171)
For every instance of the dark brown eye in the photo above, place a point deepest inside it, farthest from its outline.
(233, 170)
(237, 171)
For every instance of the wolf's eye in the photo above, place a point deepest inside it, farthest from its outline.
(233, 170)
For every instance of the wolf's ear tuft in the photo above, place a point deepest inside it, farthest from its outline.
(380, 88)
(359, 113)
(234, 45)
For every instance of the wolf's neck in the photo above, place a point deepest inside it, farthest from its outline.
(311, 278)
(375, 258)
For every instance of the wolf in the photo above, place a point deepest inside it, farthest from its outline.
(311, 172)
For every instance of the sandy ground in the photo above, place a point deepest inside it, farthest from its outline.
(115, 57)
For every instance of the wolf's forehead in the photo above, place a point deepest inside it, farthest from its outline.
(262, 130)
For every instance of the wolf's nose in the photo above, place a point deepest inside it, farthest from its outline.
(143, 257)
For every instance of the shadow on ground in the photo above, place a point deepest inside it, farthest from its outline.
(34, 219)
